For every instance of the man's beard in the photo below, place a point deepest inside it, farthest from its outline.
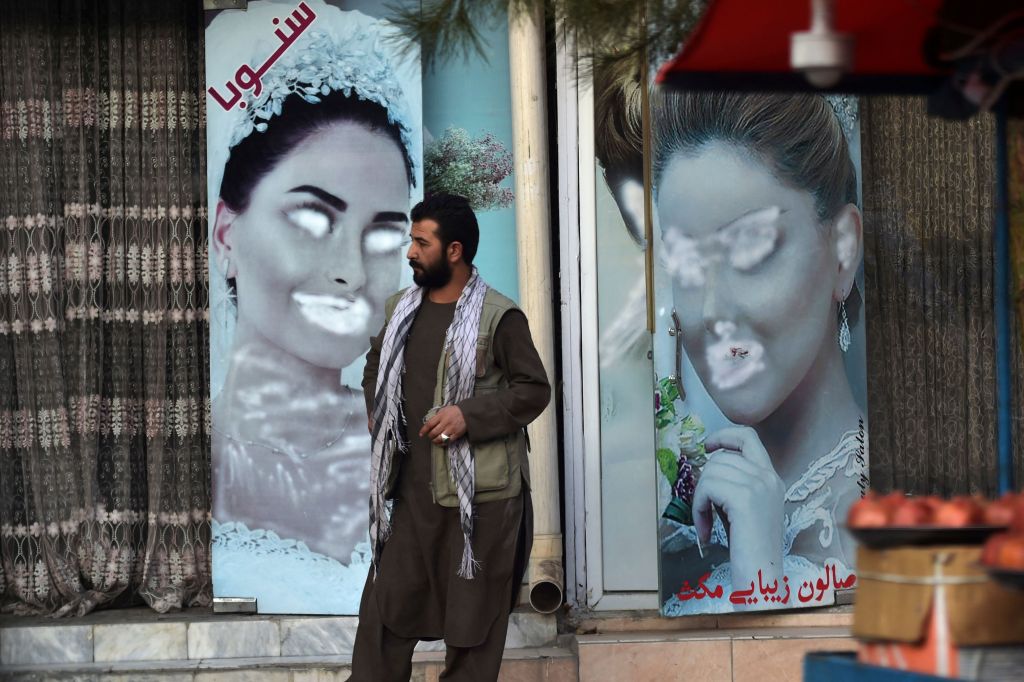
(433, 276)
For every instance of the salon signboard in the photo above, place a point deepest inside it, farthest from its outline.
(314, 158)
(323, 130)
(760, 410)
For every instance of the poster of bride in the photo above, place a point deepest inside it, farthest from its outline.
(759, 353)
(314, 159)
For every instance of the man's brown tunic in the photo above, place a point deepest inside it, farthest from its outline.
(417, 591)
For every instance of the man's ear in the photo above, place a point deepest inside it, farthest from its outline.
(848, 233)
(454, 252)
(222, 238)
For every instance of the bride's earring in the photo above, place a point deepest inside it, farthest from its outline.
(225, 268)
(844, 328)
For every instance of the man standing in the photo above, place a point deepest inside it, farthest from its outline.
(451, 382)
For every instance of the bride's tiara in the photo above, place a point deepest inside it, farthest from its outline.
(320, 66)
(316, 50)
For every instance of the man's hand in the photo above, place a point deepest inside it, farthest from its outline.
(449, 421)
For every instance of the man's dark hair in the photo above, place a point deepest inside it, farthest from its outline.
(455, 220)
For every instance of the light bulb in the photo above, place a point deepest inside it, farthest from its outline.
(821, 53)
(823, 78)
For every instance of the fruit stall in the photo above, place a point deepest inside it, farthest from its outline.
(940, 590)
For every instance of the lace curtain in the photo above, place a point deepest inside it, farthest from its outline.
(1015, 151)
(929, 214)
(104, 446)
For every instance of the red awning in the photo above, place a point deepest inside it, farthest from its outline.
(745, 44)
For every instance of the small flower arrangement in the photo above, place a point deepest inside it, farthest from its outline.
(471, 167)
(680, 465)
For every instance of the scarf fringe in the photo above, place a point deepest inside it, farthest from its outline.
(469, 566)
(461, 337)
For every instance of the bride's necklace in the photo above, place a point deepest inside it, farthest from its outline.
(293, 454)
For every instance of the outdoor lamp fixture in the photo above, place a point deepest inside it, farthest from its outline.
(808, 46)
(963, 54)
(822, 54)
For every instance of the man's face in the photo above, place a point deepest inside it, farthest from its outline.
(427, 257)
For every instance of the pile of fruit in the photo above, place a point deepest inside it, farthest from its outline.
(1003, 550)
(897, 510)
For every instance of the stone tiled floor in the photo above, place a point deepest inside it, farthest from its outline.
(521, 665)
(636, 646)
(766, 654)
(142, 635)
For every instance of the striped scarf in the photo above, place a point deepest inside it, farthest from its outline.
(389, 422)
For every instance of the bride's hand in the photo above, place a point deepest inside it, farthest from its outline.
(740, 480)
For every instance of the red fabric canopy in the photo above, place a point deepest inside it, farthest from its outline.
(747, 42)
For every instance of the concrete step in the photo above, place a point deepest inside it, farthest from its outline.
(196, 644)
(772, 654)
(544, 664)
(607, 647)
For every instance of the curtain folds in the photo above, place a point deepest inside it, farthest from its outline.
(1015, 152)
(104, 446)
(928, 197)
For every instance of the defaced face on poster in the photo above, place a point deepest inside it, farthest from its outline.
(760, 440)
(760, 410)
(314, 159)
